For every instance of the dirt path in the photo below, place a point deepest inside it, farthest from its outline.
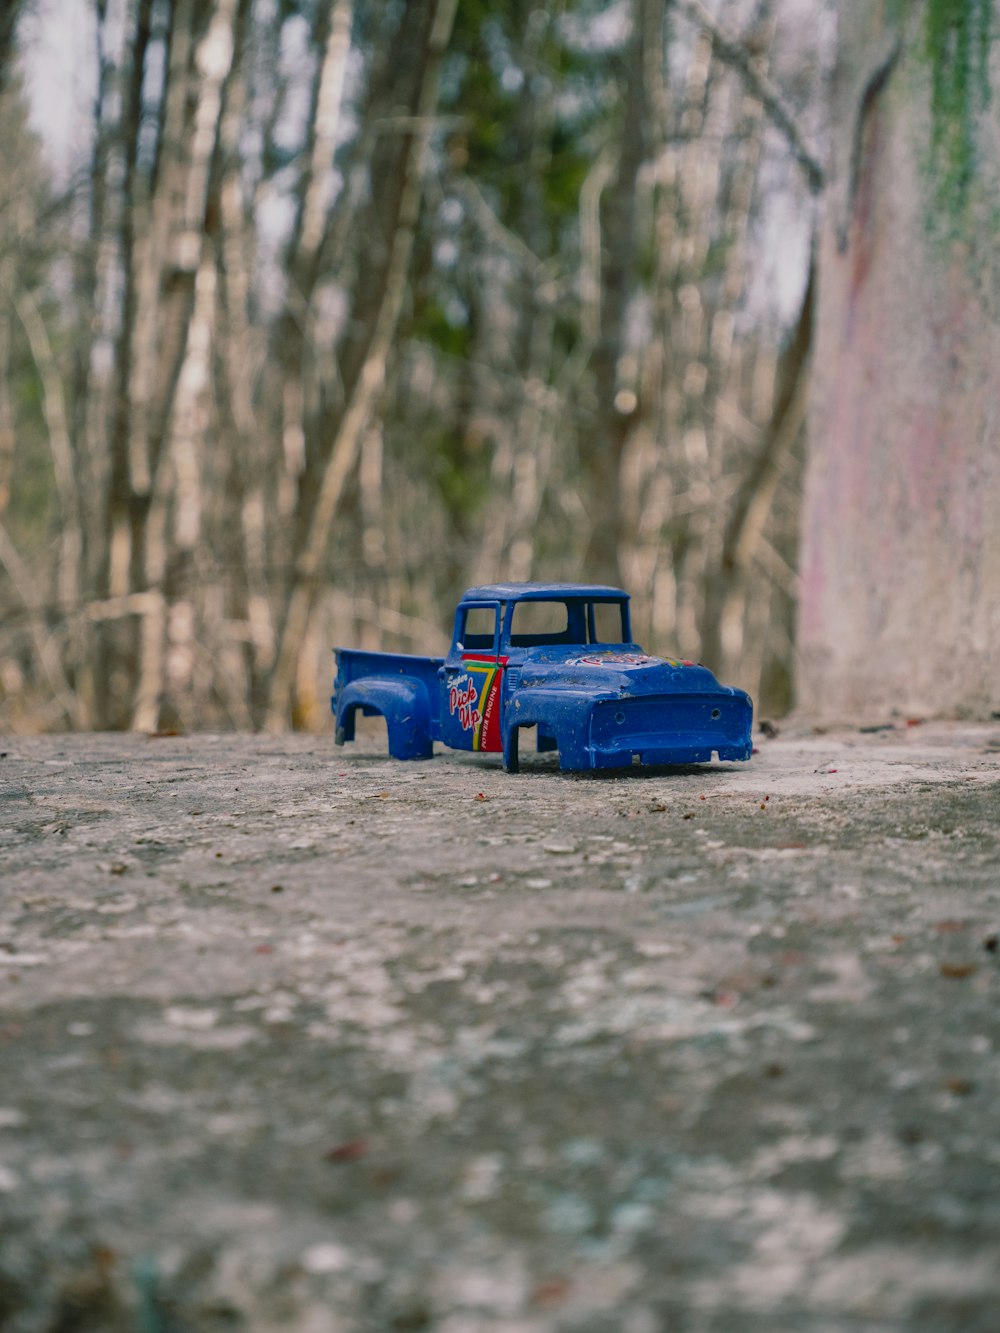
(296, 1038)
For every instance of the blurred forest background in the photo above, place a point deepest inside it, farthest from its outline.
(344, 305)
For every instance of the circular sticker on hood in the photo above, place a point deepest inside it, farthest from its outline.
(620, 659)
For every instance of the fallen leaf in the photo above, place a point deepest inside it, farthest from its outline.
(550, 1291)
(103, 1255)
(384, 1176)
(961, 1087)
(958, 971)
(347, 1152)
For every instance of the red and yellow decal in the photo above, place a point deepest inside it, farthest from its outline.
(476, 700)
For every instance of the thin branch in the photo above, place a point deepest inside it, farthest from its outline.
(63, 466)
(115, 608)
(753, 500)
(46, 652)
(590, 245)
(733, 52)
(777, 569)
(494, 230)
(326, 125)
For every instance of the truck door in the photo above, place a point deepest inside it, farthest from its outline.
(473, 678)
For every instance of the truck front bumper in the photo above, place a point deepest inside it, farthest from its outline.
(670, 729)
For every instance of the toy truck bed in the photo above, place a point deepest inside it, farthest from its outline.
(403, 689)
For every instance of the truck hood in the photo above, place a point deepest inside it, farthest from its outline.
(625, 671)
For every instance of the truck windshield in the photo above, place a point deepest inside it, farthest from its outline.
(606, 622)
(570, 621)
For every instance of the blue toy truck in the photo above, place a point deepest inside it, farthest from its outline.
(555, 656)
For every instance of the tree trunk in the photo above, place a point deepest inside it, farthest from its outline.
(755, 494)
(616, 412)
(327, 470)
(9, 14)
(900, 589)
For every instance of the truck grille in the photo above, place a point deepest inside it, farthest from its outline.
(671, 728)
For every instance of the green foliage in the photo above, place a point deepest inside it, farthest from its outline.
(567, 171)
(433, 326)
(33, 508)
(461, 473)
(26, 255)
(957, 44)
(529, 104)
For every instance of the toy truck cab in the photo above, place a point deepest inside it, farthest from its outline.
(495, 629)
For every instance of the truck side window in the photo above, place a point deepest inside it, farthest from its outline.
(479, 629)
(606, 622)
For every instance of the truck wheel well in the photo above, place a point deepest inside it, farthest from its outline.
(348, 721)
(547, 742)
(511, 758)
(402, 704)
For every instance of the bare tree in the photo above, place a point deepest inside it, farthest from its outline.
(396, 192)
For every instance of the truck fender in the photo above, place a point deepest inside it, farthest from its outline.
(548, 740)
(405, 705)
(563, 724)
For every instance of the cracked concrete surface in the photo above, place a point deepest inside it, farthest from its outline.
(307, 1039)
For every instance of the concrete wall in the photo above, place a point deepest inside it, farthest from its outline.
(900, 592)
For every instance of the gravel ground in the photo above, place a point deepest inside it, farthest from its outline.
(297, 1038)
